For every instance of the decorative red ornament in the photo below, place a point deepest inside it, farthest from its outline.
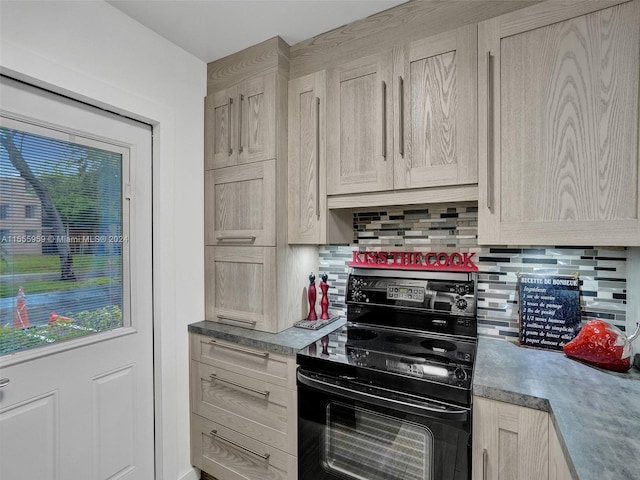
(324, 301)
(312, 298)
(601, 344)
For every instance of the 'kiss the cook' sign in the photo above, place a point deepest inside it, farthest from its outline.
(461, 262)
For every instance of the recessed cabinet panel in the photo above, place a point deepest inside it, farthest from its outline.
(240, 286)
(559, 152)
(436, 112)
(240, 205)
(257, 105)
(220, 131)
(359, 126)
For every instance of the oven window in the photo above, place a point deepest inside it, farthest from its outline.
(365, 445)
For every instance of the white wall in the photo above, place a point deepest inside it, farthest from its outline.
(91, 51)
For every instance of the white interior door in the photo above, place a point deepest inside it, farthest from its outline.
(79, 408)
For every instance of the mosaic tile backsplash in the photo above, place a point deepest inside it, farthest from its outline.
(454, 227)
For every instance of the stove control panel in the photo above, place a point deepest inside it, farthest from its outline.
(405, 292)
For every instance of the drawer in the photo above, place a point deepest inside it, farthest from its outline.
(252, 362)
(260, 410)
(229, 455)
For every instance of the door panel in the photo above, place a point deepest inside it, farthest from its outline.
(438, 109)
(91, 395)
(220, 130)
(257, 107)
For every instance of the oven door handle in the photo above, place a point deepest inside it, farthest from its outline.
(450, 414)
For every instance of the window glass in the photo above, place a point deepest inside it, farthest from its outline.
(62, 273)
(365, 445)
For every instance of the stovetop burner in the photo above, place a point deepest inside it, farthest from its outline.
(397, 339)
(361, 334)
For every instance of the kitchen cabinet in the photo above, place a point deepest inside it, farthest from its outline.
(240, 124)
(558, 105)
(405, 118)
(310, 221)
(359, 126)
(435, 101)
(240, 288)
(243, 410)
(253, 278)
(240, 205)
(511, 442)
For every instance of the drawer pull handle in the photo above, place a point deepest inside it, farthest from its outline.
(240, 147)
(401, 119)
(484, 464)
(490, 152)
(230, 150)
(384, 119)
(236, 320)
(240, 349)
(264, 456)
(4, 382)
(214, 378)
(247, 238)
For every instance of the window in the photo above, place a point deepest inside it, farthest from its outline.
(29, 211)
(68, 276)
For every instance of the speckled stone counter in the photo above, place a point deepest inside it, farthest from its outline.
(287, 342)
(595, 412)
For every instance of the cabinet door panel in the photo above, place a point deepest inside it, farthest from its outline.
(509, 441)
(240, 286)
(257, 109)
(240, 205)
(220, 130)
(438, 102)
(359, 128)
(562, 161)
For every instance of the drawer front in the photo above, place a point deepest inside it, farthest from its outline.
(255, 408)
(252, 362)
(240, 286)
(229, 455)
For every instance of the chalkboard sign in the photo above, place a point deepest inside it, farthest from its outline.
(549, 310)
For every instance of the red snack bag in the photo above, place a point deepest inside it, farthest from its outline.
(601, 344)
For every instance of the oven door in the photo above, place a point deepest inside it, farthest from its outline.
(352, 431)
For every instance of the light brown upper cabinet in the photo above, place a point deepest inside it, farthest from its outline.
(359, 126)
(435, 103)
(310, 222)
(559, 122)
(405, 118)
(240, 123)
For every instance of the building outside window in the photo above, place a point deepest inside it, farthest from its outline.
(4, 212)
(29, 211)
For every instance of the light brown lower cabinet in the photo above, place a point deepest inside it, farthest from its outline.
(243, 411)
(515, 443)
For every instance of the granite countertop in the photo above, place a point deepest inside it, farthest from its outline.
(287, 342)
(595, 412)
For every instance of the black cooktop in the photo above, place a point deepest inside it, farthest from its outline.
(438, 366)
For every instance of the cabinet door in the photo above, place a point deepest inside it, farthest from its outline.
(240, 286)
(220, 125)
(559, 160)
(509, 442)
(359, 126)
(257, 122)
(307, 170)
(240, 204)
(436, 89)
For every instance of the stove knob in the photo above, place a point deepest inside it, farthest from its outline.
(461, 303)
(460, 374)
